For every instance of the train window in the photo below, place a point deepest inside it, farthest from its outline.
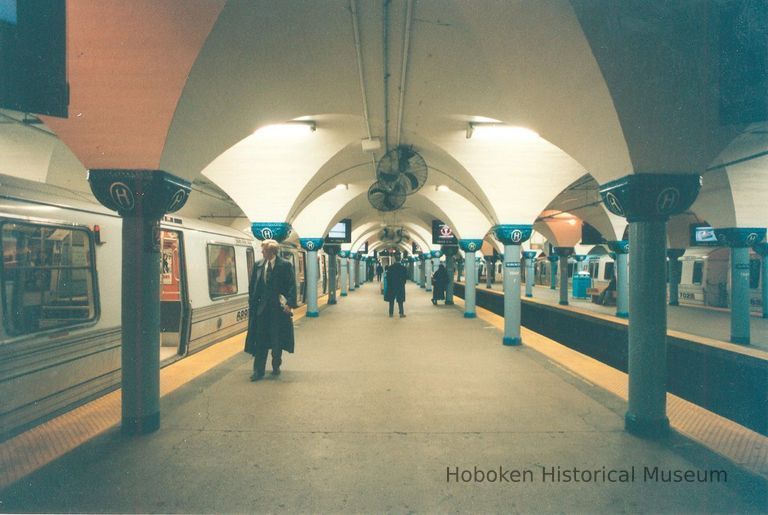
(571, 268)
(222, 270)
(48, 277)
(593, 268)
(608, 273)
(249, 261)
(698, 272)
(754, 273)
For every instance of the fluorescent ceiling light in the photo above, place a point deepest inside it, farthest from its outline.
(342, 187)
(442, 187)
(497, 130)
(288, 129)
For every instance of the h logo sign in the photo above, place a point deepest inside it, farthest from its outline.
(666, 202)
(122, 195)
(266, 233)
(516, 236)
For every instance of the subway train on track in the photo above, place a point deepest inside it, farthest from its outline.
(705, 276)
(60, 290)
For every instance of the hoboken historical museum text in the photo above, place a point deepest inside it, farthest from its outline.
(561, 474)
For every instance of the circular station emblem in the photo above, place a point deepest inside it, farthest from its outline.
(177, 201)
(266, 233)
(122, 195)
(310, 245)
(516, 236)
(667, 200)
(751, 238)
(472, 246)
(613, 204)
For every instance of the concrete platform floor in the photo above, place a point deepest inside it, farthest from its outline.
(369, 416)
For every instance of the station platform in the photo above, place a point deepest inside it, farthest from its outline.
(428, 413)
(706, 322)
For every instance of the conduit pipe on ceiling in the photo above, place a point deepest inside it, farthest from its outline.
(404, 60)
(361, 76)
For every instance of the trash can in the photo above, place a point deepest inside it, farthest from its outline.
(581, 282)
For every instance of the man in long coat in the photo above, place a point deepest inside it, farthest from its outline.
(439, 282)
(272, 296)
(395, 290)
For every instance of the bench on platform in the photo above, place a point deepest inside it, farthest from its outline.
(610, 299)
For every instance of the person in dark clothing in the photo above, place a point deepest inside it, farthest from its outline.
(395, 290)
(272, 296)
(439, 283)
(379, 271)
(605, 294)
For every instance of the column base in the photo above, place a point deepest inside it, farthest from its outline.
(470, 315)
(312, 314)
(343, 294)
(563, 302)
(140, 425)
(449, 303)
(674, 303)
(622, 314)
(509, 341)
(332, 302)
(741, 340)
(658, 428)
(529, 295)
(427, 289)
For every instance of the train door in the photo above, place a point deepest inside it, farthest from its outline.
(174, 299)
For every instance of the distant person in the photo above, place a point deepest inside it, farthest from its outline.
(272, 297)
(379, 271)
(395, 289)
(439, 283)
(605, 294)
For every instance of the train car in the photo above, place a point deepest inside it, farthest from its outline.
(705, 278)
(601, 269)
(61, 282)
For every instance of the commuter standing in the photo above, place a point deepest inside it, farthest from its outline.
(395, 290)
(272, 296)
(379, 271)
(439, 283)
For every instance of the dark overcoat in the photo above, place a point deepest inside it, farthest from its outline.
(268, 325)
(439, 282)
(395, 289)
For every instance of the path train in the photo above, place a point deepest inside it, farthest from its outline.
(705, 277)
(60, 290)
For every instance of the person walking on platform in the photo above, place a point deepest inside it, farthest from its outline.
(439, 283)
(379, 271)
(272, 296)
(395, 289)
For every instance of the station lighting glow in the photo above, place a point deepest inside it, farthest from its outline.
(341, 187)
(442, 187)
(499, 131)
(287, 130)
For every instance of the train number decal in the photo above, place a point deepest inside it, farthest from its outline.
(242, 315)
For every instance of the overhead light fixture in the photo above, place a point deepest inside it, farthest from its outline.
(501, 130)
(371, 144)
(342, 187)
(442, 187)
(292, 128)
(572, 221)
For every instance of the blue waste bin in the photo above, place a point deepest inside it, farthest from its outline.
(581, 282)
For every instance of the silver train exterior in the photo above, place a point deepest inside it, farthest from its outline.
(60, 283)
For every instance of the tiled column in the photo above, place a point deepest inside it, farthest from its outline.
(141, 197)
(674, 268)
(621, 249)
(450, 252)
(563, 253)
(512, 236)
(740, 239)
(552, 258)
(530, 261)
(647, 201)
(312, 245)
(762, 249)
(344, 255)
(470, 278)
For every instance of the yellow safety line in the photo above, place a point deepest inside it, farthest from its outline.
(738, 444)
(33, 449)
